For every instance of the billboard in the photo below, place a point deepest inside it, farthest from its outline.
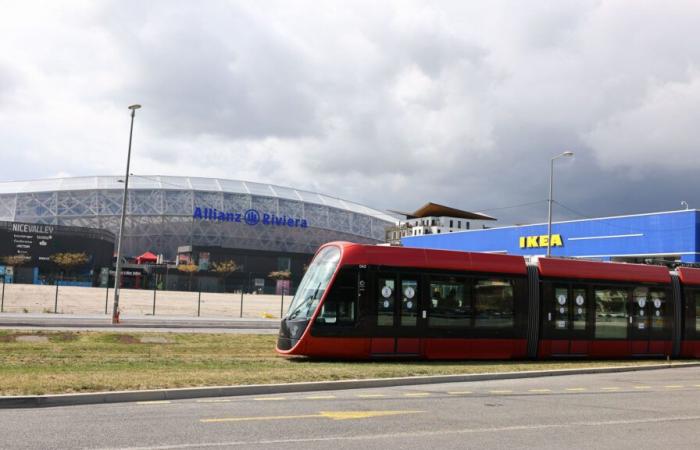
(38, 242)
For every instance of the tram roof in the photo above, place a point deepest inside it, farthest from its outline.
(432, 259)
(594, 270)
(689, 275)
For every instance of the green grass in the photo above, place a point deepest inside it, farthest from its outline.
(99, 361)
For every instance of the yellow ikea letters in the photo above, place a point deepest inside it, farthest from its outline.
(540, 241)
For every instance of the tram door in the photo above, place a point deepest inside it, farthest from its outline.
(647, 318)
(568, 324)
(399, 320)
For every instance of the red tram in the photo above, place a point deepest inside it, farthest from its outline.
(361, 301)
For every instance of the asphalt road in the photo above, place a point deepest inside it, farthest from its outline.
(636, 410)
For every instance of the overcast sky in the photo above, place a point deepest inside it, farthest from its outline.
(390, 104)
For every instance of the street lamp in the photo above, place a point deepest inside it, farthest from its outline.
(118, 269)
(549, 220)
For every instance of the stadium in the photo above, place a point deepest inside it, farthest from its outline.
(166, 213)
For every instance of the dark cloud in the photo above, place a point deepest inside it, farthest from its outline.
(390, 105)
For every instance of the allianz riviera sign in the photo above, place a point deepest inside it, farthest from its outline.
(250, 217)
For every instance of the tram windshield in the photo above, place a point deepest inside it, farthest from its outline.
(314, 284)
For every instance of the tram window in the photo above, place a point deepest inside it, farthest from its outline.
(409, 303)
(385, 302)
(658, 309)
(640, 299)
(561, 306)
(339, 307)
(579, 306)
(493, 303)
(449, 306)
(610, 313)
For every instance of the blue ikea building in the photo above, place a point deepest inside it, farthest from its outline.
(663, 237)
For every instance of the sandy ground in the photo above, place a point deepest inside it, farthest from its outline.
(81, 300)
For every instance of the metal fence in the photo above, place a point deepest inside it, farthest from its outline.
(29, 298)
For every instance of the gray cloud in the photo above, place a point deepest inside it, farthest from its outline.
(391, 105)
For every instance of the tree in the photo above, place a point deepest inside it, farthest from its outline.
(69, 261)
(280, 275)
(16, 260)
(188, 268)
(224, 269)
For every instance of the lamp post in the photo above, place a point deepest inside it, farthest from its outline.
(551, 182)
(118, 269)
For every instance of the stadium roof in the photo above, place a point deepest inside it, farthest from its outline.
(434, 210)
(156, 182)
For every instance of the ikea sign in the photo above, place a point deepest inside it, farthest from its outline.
(541, 241)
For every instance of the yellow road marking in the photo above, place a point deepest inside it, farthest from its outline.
(154, 402)
(214, 400)
(642, 387)
(539, 390)
(319, 397)
(344, 415)
(459, 392)
(673, 386)
(416, 394)
(576, 389)
(500, 392)
(269, 399)
(333, 415)
(610, 389)
(371, 395)
(696, 385)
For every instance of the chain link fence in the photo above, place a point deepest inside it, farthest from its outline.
(28, 298)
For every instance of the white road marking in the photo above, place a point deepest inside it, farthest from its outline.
(417, 434)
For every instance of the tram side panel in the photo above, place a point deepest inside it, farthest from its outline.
(690, 287)
(489, 320)
(604, 310)
(423, 313)
(340, 327)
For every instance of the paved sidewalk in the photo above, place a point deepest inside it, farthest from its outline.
(49, 321)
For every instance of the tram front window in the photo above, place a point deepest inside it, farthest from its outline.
(314, 284)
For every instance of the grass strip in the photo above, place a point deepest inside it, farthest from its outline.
(61, 362)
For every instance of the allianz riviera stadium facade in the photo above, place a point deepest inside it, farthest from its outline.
(165, 212)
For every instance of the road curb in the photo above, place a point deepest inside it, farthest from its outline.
(31, 401)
